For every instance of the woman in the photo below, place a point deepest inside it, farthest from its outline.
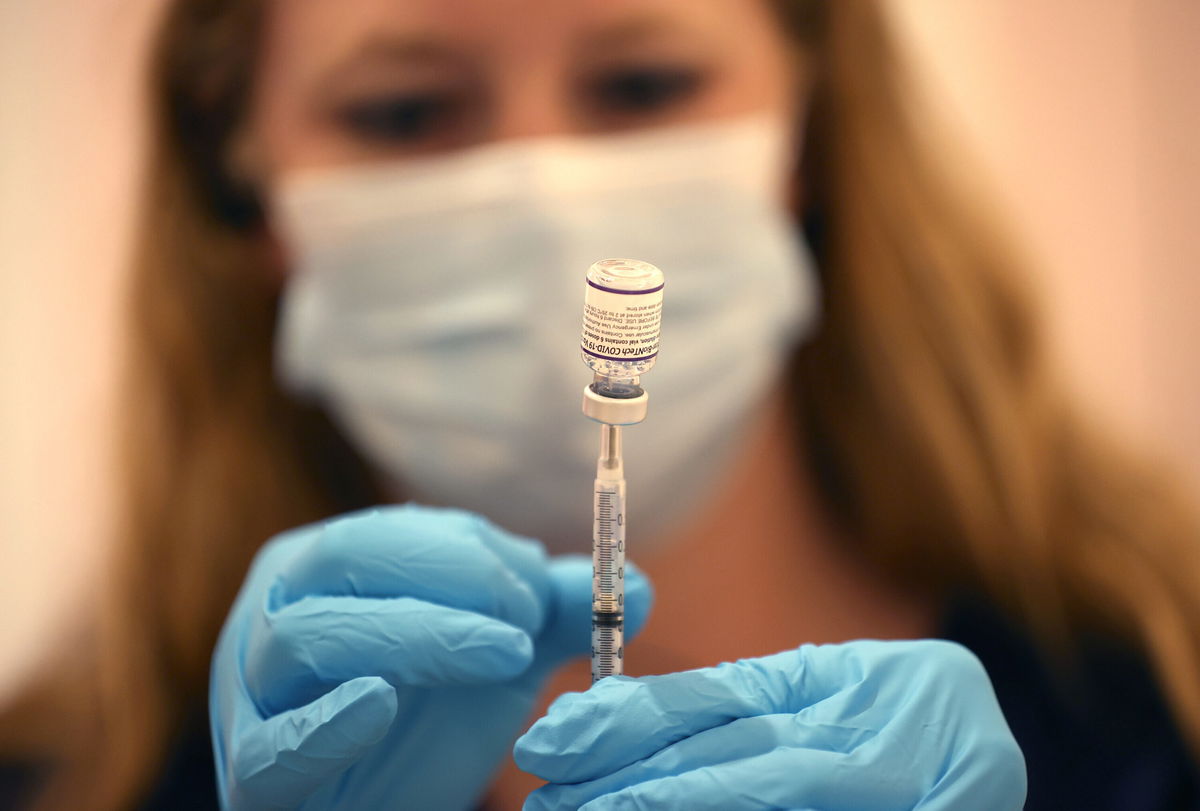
(938, 482)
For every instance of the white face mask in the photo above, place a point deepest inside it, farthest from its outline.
(435, 308)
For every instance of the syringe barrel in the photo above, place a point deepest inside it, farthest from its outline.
(608, 646)
(608, 578)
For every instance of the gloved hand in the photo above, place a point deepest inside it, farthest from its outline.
(864, 726)
(387, 659)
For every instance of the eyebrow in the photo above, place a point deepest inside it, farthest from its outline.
(405, 48)
(429, 50)
(631, 30)
(417, 50)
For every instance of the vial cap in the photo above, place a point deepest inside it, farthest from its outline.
(627, 275)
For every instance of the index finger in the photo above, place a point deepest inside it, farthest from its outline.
(447, 557)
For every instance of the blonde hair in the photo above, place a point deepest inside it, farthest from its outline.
(939, 435)
(936, 433)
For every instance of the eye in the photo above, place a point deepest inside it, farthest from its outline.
(401, 118)
(644, 90)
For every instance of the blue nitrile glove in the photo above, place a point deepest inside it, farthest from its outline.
(387, 659)
(864, 726)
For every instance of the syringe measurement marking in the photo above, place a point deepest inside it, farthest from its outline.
(608, 597)
(605, 541)
(607, 640)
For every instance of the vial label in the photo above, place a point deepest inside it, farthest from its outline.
(621, 325)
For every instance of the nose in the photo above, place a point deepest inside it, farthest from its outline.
(532, 104)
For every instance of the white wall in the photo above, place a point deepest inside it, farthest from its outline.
(1084, 110)
(1087, 115)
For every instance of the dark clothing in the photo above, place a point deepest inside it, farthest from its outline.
(1102, 740)
(189, 781)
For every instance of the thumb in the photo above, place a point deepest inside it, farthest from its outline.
(289, 756)
(568, 629)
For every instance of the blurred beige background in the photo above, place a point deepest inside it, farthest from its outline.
(1084, 114)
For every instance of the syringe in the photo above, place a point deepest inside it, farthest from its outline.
(621, 318)
(608, 558)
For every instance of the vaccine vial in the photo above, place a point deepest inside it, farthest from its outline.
(622, 322)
